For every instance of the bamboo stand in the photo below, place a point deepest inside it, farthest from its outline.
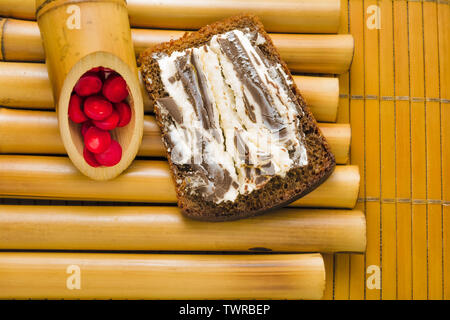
(305, 16)
(147, 228)
(160, 276)
(71, 51)
(144, 181)
(302, 52)
(26, 85)
(36, 132)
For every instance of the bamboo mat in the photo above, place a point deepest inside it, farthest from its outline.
(397, 99)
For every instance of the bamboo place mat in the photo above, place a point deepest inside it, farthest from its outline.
(397, 99)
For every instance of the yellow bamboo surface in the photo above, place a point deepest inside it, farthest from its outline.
(398, 106)
(160, 276)
(143, 181)
(28, 227)
(304, 16)
(314, 53)
(36, 132)
(26, 85)
(396, 98)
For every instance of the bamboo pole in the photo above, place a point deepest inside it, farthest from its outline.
(160, 276)
(35, 227)
(304, 16)
(43, 177)
(302, 52)
(36, 132)
(26, 85)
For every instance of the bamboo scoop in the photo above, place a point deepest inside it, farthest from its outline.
(77, 39)
(58, 275)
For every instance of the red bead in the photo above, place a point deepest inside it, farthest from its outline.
(90, 158)
(124, 113)
(97, 108)
(115, 88)
(97, 140)
(111, 156)
(89, 83)
(109, 123)
(96, 69)
(86, 125)
(75, 112)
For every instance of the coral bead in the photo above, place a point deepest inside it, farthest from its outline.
(90, 158)
(97, 140)
(115, 88)
(97, 108)
(75, 112)
(109, 123)
(111, 156)
(86, 125)
(124, 113)
(89, 84)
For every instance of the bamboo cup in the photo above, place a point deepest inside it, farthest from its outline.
(76, 43)
(43, 177)
(36, 132)
(304, 16)
(34, 227)
(160, 276)
(302, 52)
(26, 85)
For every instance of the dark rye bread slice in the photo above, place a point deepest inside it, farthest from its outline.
(278, 191)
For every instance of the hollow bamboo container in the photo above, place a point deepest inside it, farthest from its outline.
(160, 276)
(302, 52)
(36, 132)
(301, 16)
(26, 85)
(25, 227)
(73, 49)
(44, 177)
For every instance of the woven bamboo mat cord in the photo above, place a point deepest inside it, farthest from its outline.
(160, 276)
(26, 85)
(302, 16)
(26, 227)
(313, 53)
(43, 177)
(36, 132)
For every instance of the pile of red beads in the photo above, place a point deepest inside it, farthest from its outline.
(98, 104)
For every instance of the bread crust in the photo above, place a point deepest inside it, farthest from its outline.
(277, 191)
